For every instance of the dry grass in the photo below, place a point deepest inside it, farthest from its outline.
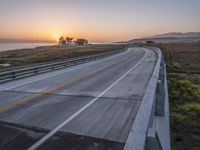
(186, 54)
(52, 53)
(183, 64)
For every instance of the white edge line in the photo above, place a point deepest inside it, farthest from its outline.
(52, 132)
(68, 69)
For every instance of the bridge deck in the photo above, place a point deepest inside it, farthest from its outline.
(46, 100)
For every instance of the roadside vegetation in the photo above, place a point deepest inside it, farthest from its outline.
(183, 64)
(52, 53)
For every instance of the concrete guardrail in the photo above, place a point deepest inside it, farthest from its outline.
(151, 130)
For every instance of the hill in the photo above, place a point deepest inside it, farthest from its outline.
(178, 35)
(172, 37)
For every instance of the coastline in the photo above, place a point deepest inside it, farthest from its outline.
(8, 46)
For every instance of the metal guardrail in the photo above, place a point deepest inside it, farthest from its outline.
(46, 67)
(150, 130)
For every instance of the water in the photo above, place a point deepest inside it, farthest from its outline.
(14, 46)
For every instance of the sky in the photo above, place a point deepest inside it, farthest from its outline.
(96, 20)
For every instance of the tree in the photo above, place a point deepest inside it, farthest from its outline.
(61, 40)
(69, 40)
(86, 42)
(81, 41)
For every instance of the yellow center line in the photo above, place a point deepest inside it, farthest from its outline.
(50, 90)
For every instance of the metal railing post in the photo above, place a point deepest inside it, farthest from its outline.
(13, 75)
(36, 70)
(160, 92)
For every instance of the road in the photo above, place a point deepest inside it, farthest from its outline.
(98, 99)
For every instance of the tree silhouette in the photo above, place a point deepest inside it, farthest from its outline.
(69, 40)
(61, 40)
(81, 41)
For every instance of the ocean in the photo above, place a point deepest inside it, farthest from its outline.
(14, 46)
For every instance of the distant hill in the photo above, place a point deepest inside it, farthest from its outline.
(172, 37)
(177, 35)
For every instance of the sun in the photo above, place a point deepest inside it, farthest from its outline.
(56, 36)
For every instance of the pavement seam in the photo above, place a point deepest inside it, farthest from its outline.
(55, 130)
(59, 86)
(81, 96)
(68, 69)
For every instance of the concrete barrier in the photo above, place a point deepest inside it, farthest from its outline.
(150, 130)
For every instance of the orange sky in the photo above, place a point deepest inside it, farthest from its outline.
(112, 20)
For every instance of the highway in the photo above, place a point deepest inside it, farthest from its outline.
(97, 100)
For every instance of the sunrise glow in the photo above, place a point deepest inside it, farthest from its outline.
(96, 20)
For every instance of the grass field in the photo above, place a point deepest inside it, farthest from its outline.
(52, 53)
(187, 55)
(183, 67)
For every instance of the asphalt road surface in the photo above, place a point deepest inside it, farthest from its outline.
(95, 100)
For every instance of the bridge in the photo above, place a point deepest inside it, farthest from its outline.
(116, 100)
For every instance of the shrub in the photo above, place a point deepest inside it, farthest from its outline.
(183, 91)
(174, 67)
(150, 42)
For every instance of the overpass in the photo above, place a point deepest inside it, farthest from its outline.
(116, 100)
